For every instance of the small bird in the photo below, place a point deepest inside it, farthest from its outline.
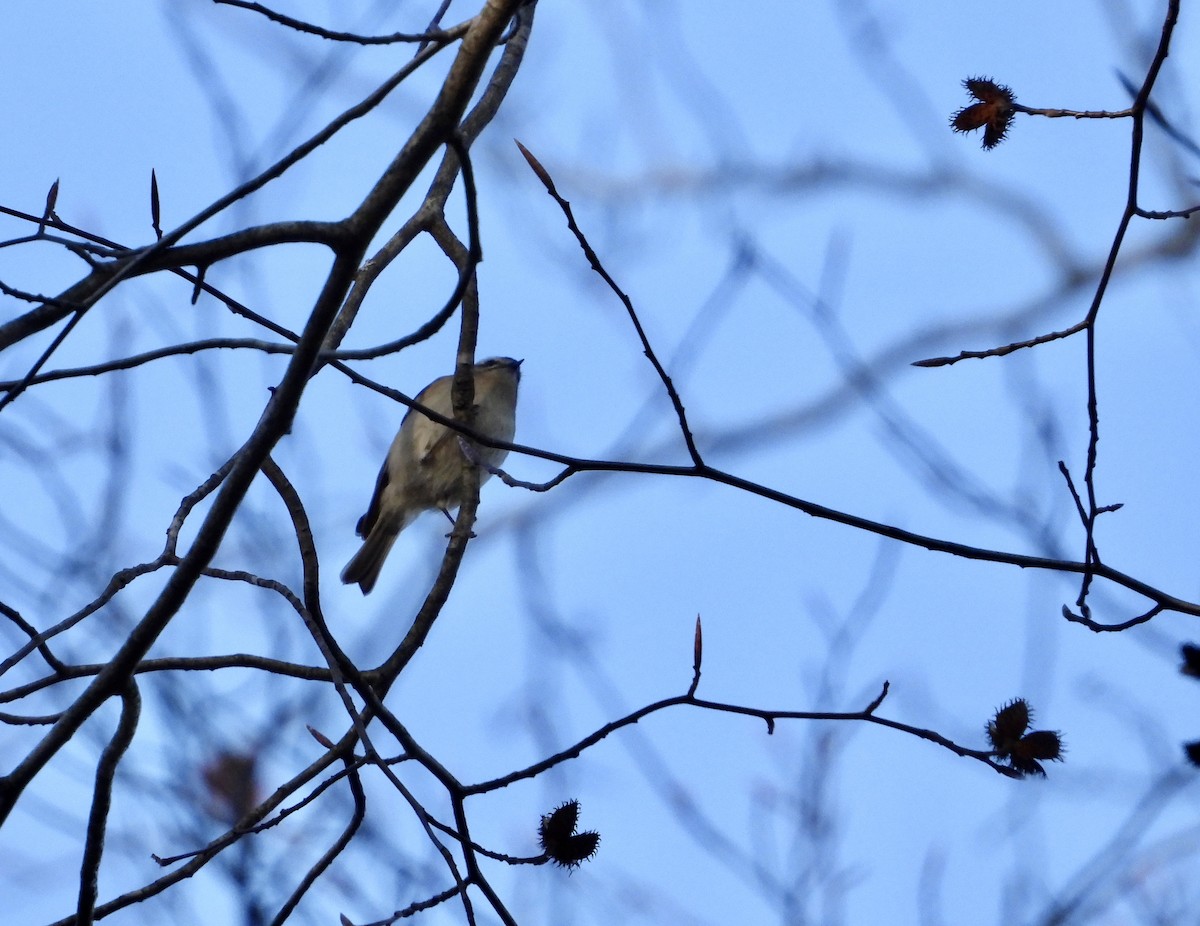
(423, 469)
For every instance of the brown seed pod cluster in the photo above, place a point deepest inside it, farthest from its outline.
(1023, 751)
(1191, 667)
(560, 842)
(992, 110)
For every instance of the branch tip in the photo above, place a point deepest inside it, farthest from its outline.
(874, 705)
(536, 166)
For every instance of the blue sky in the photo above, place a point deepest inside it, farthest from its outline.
(811, 142)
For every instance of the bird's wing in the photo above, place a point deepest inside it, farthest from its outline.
(431, 437)
(428, 437)
(367, 521)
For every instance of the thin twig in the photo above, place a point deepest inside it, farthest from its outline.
(106, 773)
(594, 260)
(769, 717)
(435, 35)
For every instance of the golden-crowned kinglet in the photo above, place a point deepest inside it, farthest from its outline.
(423, 469)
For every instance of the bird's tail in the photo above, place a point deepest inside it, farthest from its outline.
(364, 566)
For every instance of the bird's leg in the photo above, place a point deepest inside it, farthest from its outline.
(450, 518)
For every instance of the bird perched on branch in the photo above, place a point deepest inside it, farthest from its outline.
(424, 467)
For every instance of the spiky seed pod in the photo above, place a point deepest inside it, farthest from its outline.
(577, 849)
(558, 825)
(1191, 660)
(1009, 724)
(1033, 749)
